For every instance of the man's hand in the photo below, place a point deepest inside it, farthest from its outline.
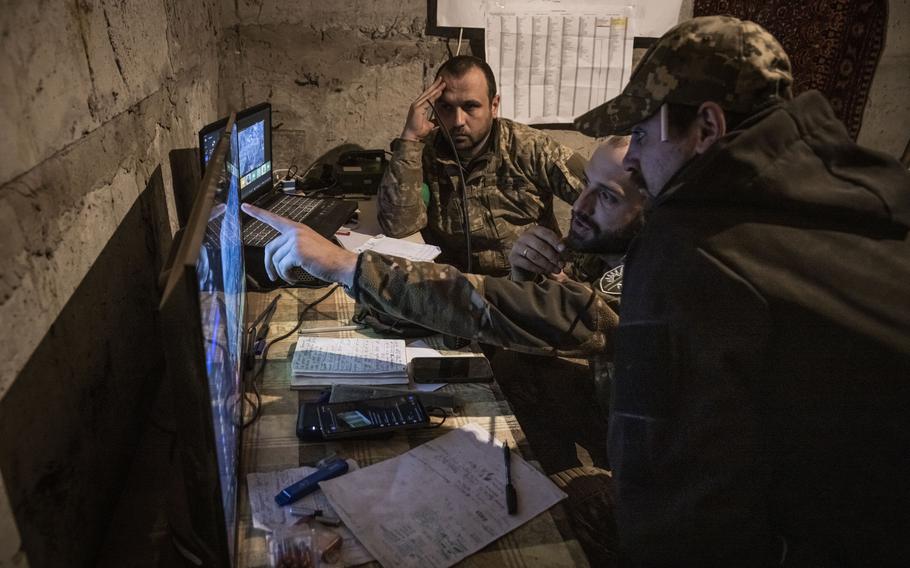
(299, 245)
(536, 252)
(419, 125)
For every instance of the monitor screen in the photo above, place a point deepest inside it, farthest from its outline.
(202, 318)
(221, 280)
(254, 127)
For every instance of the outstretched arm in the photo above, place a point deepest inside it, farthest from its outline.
(299, 245)
(566, 319)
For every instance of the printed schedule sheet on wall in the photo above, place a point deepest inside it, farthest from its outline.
(555, 63)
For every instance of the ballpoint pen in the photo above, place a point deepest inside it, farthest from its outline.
(331, 328)
(511, 495)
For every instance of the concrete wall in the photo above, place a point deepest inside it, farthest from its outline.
(96, 93)
(336, 73)
(886, 120)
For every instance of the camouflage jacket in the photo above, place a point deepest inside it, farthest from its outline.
(545, 318)
(510, 188)
(605, 277)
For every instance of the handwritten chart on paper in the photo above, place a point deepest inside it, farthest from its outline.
(439, 502)
(555, 65)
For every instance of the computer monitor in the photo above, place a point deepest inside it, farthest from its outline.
(202, 318)
(254, 125)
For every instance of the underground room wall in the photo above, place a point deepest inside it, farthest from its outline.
(103, 91)
(336, 73)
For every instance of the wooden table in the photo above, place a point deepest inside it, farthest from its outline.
(270, 443)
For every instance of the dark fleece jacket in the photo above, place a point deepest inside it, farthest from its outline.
(761, 405)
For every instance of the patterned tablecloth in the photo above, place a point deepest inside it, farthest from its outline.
(270, 443)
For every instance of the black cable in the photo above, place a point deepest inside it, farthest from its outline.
(440, 409)
(265, 354)
(464, 188)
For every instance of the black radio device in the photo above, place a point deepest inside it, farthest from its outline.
(360, 171)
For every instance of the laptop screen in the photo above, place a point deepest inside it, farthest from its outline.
(254, 131)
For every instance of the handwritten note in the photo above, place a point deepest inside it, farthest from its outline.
(350, 356)
(439, 502)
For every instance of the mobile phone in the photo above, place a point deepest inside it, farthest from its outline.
(370, 417)
(451, 370)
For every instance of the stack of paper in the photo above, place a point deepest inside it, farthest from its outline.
(325, 361)
(400, 248)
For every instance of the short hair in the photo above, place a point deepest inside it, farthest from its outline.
(461, 64)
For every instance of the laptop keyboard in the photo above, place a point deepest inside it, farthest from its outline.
(323, 215)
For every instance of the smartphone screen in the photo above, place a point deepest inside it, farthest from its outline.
(344, 419)
(451, 369)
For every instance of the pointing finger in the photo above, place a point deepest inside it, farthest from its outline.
(269, 254)
(277, 222)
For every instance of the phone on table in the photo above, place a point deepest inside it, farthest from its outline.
(451, 370)
(371, 417)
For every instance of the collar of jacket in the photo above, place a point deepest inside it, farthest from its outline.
(443, 152)
(796, 156)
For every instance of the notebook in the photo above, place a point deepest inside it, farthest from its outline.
(326, 361)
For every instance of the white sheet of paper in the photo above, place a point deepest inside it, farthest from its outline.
(439, 502)
(555, 60)
(352, 240)
(652, 17)
(399, 247)
(459, 13)
(267, 515)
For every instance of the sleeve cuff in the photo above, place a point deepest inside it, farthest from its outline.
(407, 148)
(354, 289)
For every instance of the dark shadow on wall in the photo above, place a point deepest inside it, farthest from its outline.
(71, 420)
(186, 172)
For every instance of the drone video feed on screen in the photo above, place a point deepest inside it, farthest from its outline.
(255, 162)
(220, 273)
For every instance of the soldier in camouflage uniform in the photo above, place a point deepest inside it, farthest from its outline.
(512, 172)
(605, 218)
(759, 411)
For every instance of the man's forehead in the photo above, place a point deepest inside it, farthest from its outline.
(606, 163)
(472, 84)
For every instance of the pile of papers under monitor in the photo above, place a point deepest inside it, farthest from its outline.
(325, 361)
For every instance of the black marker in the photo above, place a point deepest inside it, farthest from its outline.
(511, 495)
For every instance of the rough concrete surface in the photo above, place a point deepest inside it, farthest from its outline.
(886, 119)
(102, 91)
(347, 80)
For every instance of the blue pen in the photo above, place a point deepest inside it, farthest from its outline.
(310, 483)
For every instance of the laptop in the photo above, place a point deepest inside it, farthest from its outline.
(254, 126)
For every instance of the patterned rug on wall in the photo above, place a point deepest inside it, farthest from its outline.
(834, 45)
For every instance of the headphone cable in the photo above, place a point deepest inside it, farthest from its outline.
(464, 189)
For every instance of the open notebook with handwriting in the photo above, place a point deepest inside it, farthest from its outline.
(326, 361)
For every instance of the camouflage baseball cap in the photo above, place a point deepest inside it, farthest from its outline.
(735, 63)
